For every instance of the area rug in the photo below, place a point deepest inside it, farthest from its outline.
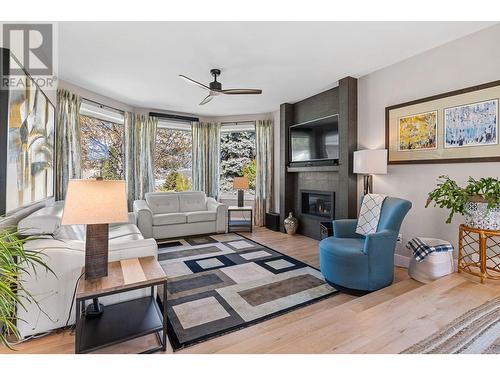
(475, 332)
(222, 283)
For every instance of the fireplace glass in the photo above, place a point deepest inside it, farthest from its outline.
(318, 203)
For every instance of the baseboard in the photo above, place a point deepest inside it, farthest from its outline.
(401, 261)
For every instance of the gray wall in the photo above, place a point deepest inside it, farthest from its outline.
(469, 61)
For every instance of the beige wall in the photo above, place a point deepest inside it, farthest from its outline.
(469, 61)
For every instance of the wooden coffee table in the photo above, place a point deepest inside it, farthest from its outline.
(127, 320)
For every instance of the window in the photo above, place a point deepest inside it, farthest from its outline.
(102, 143)
(237, 156)
(173, 156)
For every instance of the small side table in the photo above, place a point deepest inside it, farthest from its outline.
(325, 229)
(239, 225)
(479, 252)
(127, 320)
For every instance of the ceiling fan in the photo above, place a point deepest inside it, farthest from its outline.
(215, 88)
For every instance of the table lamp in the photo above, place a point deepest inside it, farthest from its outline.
(368, 163)
(96, 203)
(241, 184)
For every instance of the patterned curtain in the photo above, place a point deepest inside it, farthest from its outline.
(140, 136)
(206, 155)
(67, 140)
(265, 170)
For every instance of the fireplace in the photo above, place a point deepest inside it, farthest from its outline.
(320, 204)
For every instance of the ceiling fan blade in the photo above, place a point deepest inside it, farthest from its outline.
(208, 98)
(194, 82)
(241, 91)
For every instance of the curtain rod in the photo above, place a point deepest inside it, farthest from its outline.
(173, 117)
(103, 105)
(238, 122)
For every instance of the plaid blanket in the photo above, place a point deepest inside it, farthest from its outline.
(422, 247)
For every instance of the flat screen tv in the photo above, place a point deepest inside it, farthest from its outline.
(315, 140)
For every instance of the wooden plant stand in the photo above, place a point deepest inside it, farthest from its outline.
(479, 252)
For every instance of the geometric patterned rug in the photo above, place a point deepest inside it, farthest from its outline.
(225, 282)
(475, 332)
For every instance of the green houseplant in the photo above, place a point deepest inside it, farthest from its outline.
(15, 263)
(478, 201)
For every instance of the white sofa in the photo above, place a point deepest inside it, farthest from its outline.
(64, 251)
(166, 215)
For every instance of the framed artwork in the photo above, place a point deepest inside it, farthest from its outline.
(417, 132)
(473, 124)
(28, 133)
(454, 127)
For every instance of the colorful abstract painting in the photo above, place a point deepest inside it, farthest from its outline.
(418, 132)
(471, 125)
(30, 158)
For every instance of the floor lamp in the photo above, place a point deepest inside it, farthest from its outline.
(368, 163)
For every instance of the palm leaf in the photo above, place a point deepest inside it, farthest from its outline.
(16, 262)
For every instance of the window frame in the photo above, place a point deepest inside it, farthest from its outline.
(237, 127)
(105, 119)
(177, 125)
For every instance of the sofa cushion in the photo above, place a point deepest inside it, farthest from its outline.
(198, 216)
(163, 203)
(43, 221)
(192, 201)
(167, 219)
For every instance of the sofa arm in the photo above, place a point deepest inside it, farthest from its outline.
(221, 210)
(379, 248)
(144, 218)
(345, 228)
(383, 242)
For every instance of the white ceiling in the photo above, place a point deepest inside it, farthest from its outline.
(138, 63)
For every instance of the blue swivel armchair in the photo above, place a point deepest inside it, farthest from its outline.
(358, 264)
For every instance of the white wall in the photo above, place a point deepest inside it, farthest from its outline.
(469, 61)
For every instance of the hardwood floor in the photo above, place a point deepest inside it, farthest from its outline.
(386, 321)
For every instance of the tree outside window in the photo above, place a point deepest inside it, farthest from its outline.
(237, 159)
(102, 149)
(173, 159)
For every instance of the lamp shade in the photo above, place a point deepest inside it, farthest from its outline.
(95, 202)
(370, 162)
(240, 183)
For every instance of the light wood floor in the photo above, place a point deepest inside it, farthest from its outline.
(386, 321)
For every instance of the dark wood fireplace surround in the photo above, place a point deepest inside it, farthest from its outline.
(321, 177)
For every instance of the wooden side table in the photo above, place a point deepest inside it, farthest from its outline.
(479, 252)
(127, 320)
(325, 229)
(239, 225)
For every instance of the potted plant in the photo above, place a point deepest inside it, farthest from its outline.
(15, 263)
(478, 201)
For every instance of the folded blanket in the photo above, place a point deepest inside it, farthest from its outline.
(422, 246)
(369, 215)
